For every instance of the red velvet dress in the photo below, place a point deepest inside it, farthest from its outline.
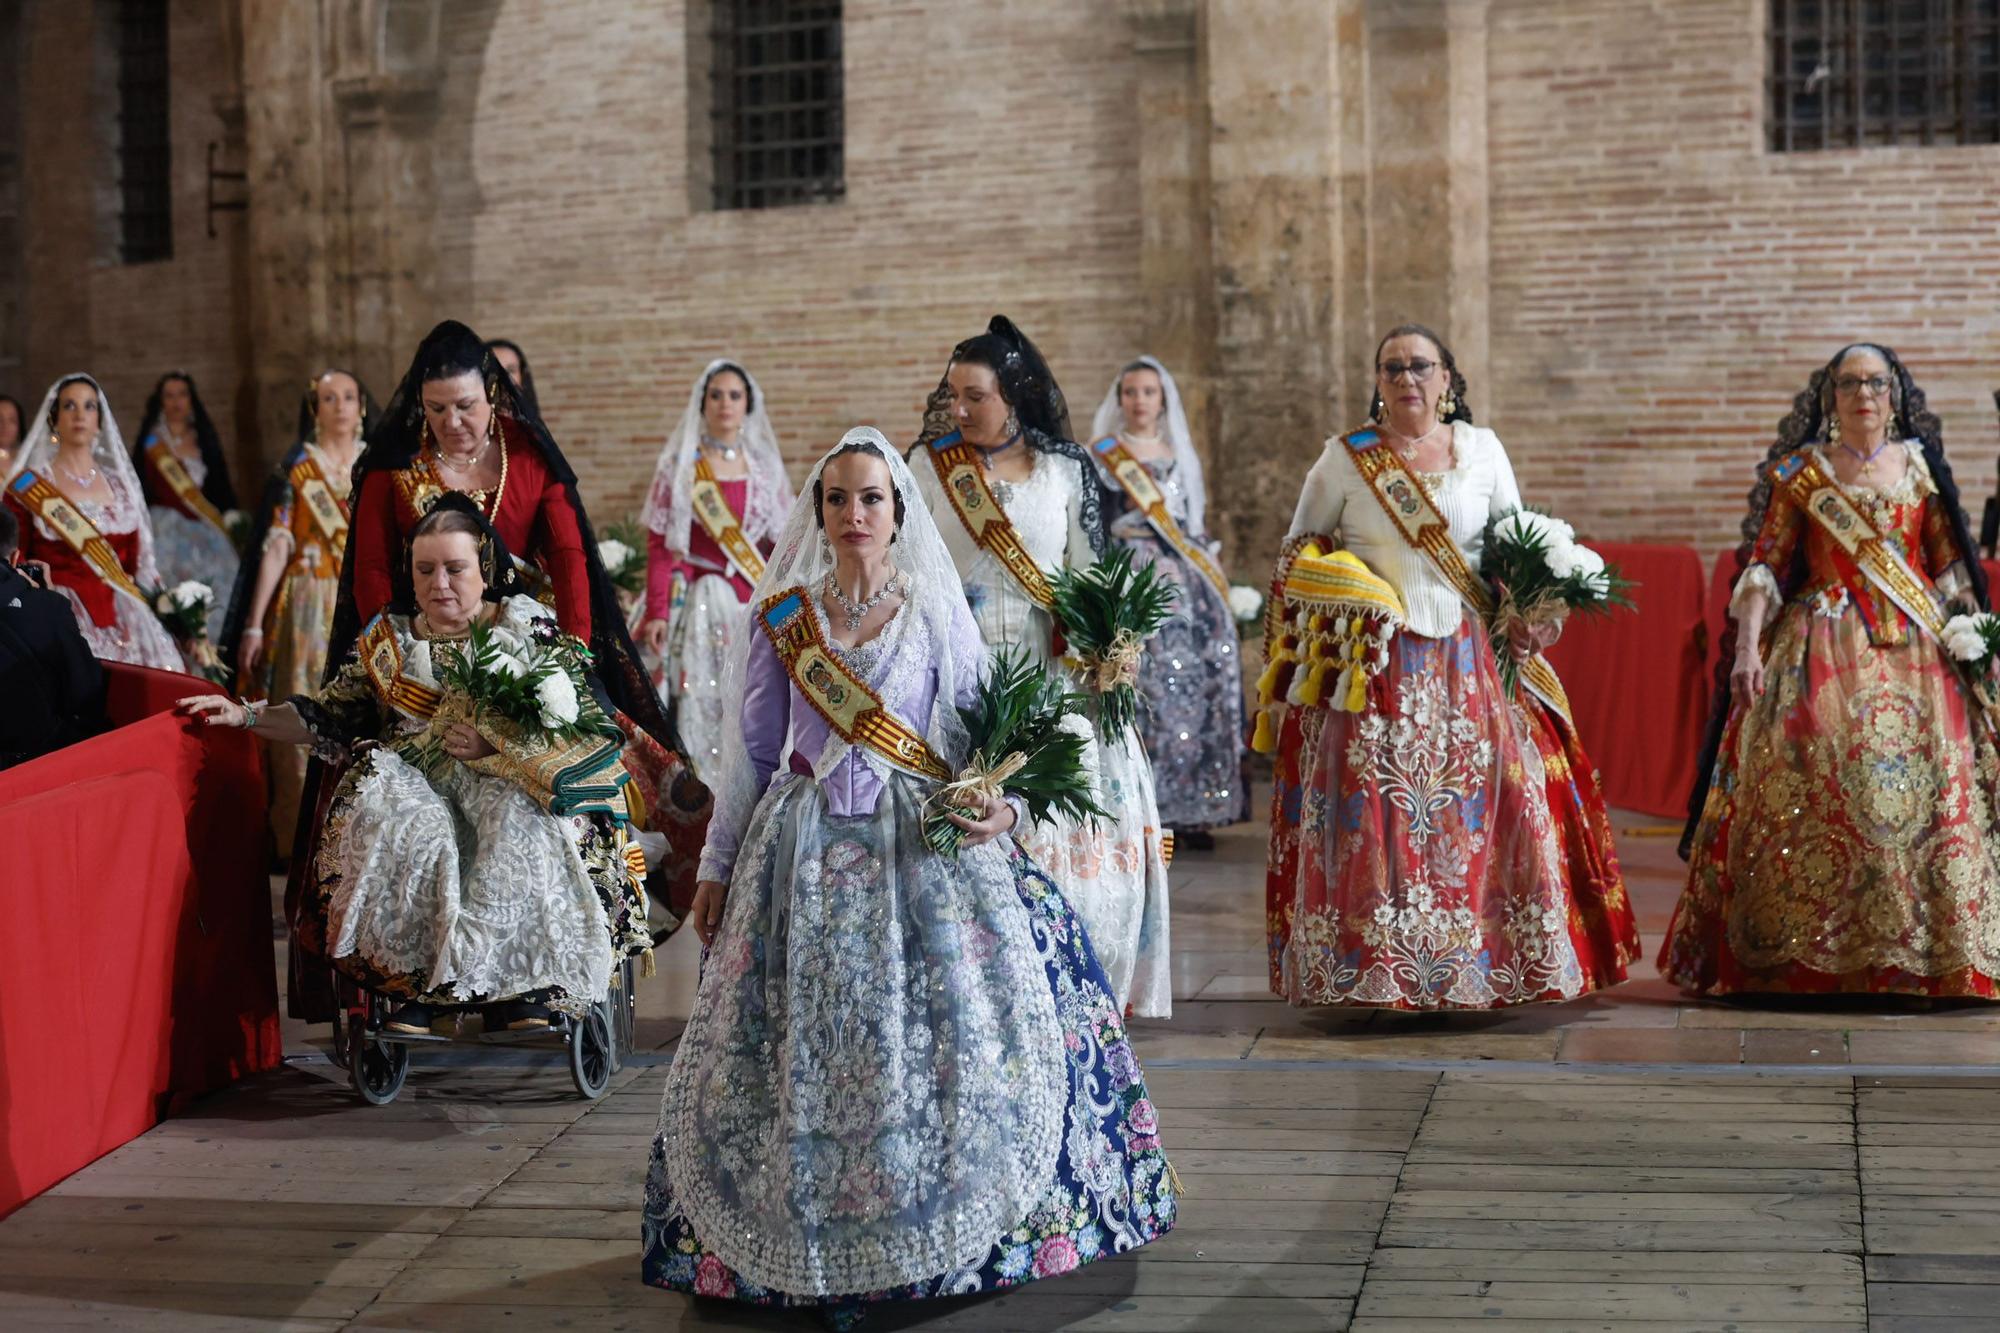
(529, 508)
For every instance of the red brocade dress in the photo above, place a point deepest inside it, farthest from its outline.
(529, 508)
(1848, 841)
(1446, 847)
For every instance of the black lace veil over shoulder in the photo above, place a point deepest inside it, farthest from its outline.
(527, 382)
(216, 487)
(1029, 387)
(449, 350)
(1805, 425)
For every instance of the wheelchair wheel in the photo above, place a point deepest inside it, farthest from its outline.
(624, 1003)
(593, 1050)
(376, 1069)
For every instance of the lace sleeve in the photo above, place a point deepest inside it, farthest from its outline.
(342, 714)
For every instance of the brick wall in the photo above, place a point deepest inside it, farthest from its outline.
(126, 324)
(991, 165)
(1663, 286)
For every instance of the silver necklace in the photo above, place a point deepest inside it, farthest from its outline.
(858, 611)
(85, 481)
(728, 451)
(1407, 445)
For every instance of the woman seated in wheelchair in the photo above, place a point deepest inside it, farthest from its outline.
(477, 849)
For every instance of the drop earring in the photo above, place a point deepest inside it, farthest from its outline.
(1447, 404)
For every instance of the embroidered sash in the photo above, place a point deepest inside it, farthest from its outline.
(381, 655)
(1146, 496)
(328, 510)
(718, 520)
(44, 501)
(169, 468)
(1859, 549)
(854, 711)
(567, 776)
(1417, 519)
(965, 488)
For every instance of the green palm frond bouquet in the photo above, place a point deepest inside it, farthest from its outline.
(1107, 613)
(1019, 745)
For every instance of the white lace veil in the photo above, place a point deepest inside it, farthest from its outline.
(1110, 419)
(769, 495)
(934, 610)
(38, 451)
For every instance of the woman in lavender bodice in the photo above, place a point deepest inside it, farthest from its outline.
(904, 1075)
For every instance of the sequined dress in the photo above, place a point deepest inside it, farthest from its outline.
(1191, 678)
(1848, 842)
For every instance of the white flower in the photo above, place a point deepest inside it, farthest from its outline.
(1526, 527)
(164, 603)
(613, 553)
(1966, 637)
(191, 593)
(508, 665)
(557, 697)
(1245, 602)
(1563, 562)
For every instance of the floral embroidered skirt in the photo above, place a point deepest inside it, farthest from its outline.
(1114, 873)
(904, 1077)
(1445, 848)
(1849, 842)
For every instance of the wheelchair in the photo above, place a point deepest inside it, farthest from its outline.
(377, 1060)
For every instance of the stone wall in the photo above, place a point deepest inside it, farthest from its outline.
(1574, 192)
(85, 310)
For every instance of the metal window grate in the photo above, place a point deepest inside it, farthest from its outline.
(1856, 73)
(145, 153)
(776, 85)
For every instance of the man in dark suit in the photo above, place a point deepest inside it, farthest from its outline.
(51, 688)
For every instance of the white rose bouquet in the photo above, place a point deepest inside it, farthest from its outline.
(184, 609)
(1540, 573)
(529, 682)
(623, 551)
(1974, 643)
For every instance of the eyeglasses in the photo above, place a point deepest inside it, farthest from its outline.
(1420, 370)
(1849, 385)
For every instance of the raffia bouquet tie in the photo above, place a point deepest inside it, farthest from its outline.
(1118, 665)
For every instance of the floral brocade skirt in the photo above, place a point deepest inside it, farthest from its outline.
(1445, 848)
(904, 1078)
(1848, 842)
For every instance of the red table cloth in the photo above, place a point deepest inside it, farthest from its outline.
(1635, 679)
(136, 964)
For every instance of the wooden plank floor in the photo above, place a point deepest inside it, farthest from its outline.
(1633, 1161)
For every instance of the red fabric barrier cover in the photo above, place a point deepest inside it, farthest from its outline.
(136, 965)
(1635, 679)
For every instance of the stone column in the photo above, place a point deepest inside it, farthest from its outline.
(386, 94)
(1273, 87)
(288, 258)
(1176, 279)
(1427, 180)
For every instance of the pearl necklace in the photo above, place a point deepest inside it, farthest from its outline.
(84, 481)
(858, 611)
(1407, 445)
(467, 465)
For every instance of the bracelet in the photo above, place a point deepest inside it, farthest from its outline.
(253, 630)
(251, 712)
